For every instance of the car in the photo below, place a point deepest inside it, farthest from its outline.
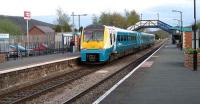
(41, 47)
(18, 51)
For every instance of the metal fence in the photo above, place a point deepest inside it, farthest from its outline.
(20, 46)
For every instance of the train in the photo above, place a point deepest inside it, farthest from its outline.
(101, 43)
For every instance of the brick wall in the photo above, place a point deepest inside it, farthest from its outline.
(188, 60)
(2, 58)
(36, 31)
(187, 40)
(13, 80)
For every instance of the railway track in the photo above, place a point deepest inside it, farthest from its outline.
(116, 76)
(34, 91)
(38, 89)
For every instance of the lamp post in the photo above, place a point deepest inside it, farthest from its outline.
(194, 30)
(72, 21)
(79, 16)
(158, 15)
(179, 22)
(181, 17)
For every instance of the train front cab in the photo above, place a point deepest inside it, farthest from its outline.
(94, 45)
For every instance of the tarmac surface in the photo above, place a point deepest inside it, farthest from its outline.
(163, 79)
(20, 62)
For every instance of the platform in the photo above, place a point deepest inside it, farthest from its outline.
(27, 61)
(163, 79)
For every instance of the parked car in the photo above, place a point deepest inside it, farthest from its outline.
(41, 47)
(18, 50)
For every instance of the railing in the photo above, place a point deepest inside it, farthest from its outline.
(17, 46)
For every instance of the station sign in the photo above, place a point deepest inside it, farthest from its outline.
(27, 15)
(4, 36)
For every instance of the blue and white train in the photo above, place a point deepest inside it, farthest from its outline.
(100, 43)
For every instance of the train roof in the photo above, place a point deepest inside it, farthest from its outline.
(120, 30)
(114, 28)
(146, 33)
(94, 27)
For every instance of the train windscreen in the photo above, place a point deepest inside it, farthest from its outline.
(93, 35)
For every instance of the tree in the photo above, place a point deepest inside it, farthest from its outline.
(95, 20)
(112, 19)
(198, 24)
(116, 19)
(62, 22)
(105, 18)
(7, 26)
(160, 34)
(132, 17)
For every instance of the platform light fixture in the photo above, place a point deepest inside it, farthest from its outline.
(79, 16)
(181, 18)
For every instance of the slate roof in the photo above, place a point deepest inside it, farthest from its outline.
(22, 23)
(44, 29)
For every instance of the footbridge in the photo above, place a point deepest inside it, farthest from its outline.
(175, 31)
(151, 24)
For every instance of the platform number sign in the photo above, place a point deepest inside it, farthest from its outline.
(27, 15)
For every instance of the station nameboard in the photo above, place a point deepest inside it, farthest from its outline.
(4, 36)
(27, 15)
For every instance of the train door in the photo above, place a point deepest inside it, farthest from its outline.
(112, 37)
(115, 40)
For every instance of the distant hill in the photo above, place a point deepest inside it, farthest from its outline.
(22, 23)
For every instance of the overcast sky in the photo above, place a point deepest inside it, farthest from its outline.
(46, 9)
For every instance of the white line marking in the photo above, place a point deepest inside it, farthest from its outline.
(35, 65)
(122, 80)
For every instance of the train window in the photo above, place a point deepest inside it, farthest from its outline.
(93, 35)
(118, 37)
(129, 38)
(88, 35)
(98, 35)
(123, 38)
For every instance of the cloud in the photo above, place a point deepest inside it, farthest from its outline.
(149, 8)
(48, 7)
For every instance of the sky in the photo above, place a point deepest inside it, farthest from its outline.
(45, 10)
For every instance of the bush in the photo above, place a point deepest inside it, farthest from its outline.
(191, 50)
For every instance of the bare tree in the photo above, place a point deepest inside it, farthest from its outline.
(62, 22)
